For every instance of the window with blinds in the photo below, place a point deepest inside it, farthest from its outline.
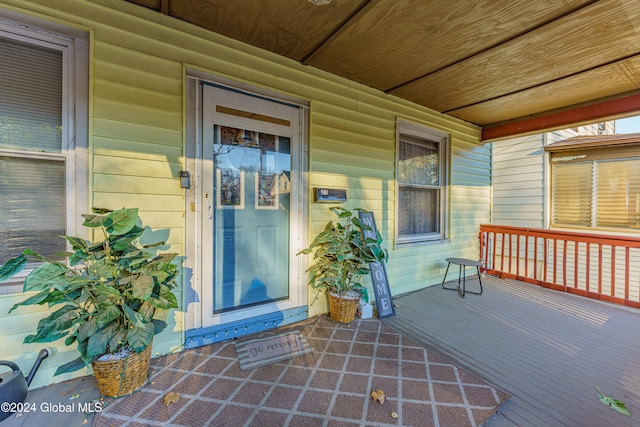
(420, 175)
(44, 83)
(32, 163)
(572, 194)
(602, 193)
(618, 197)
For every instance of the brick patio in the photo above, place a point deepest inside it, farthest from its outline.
(329, 387)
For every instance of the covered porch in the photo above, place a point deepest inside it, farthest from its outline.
(549, 350)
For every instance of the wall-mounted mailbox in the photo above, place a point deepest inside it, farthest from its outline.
(329, 195)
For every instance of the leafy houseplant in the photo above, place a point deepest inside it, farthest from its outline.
(341, 256)
(115, 293)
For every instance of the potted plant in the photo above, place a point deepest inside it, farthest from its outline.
(341, 256)
(115, 295)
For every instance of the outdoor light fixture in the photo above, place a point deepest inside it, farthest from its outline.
(320, 2)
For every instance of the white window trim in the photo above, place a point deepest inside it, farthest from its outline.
(74, 45)
(405, 127)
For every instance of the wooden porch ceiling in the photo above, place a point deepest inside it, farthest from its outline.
(505, 66)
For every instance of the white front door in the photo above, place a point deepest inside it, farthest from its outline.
(250, 193)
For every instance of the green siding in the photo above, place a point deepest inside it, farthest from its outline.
(137, 143)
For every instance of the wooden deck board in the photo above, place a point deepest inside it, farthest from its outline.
(548, 349)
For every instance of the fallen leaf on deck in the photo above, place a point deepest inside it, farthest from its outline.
(171, 397)
(613, 403)
(378, 395)
(394, 415)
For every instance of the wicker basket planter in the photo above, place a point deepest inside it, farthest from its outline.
(342, 254)
(117, 378)
(341, 309)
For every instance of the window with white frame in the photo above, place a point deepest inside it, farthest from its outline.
(43, 136)
(421, 173)
(596, 188)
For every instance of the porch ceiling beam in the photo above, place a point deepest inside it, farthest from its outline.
(348, 22)
(605, 110)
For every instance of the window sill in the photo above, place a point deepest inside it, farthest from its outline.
(423, 242)
(13, 287)
(15, 284)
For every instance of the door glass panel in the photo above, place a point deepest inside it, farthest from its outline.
(251, 222)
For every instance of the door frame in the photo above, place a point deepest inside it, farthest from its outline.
(196, 332)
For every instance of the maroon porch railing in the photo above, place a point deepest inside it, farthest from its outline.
(604, 267)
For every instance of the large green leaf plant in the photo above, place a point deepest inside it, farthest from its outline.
(342, 254)
(115, 293)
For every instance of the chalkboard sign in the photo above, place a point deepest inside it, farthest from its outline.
(379, 279)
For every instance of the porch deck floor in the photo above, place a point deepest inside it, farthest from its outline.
(548, 349)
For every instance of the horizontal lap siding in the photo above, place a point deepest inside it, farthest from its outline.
(469, 203)
(413, 267)
(22, 322)
(137, 140)
(138, 144)
(134, 115)
(518, 182)
(356, 151)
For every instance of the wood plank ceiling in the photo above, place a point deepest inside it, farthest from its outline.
(508, 66)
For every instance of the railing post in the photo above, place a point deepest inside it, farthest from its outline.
(555, 260)
(626, 273)
(564, 264)
(517, 255)
(526, 256)
(587, 262)
(502, 253)
(600, 268)
(575, 265)
(535, 258)
(545, 262)
(493, 258)
(613, 271)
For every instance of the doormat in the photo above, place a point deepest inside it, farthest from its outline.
(275, 348)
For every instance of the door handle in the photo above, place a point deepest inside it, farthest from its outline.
(209, 207)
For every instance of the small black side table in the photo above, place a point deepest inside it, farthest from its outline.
(463, 263)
